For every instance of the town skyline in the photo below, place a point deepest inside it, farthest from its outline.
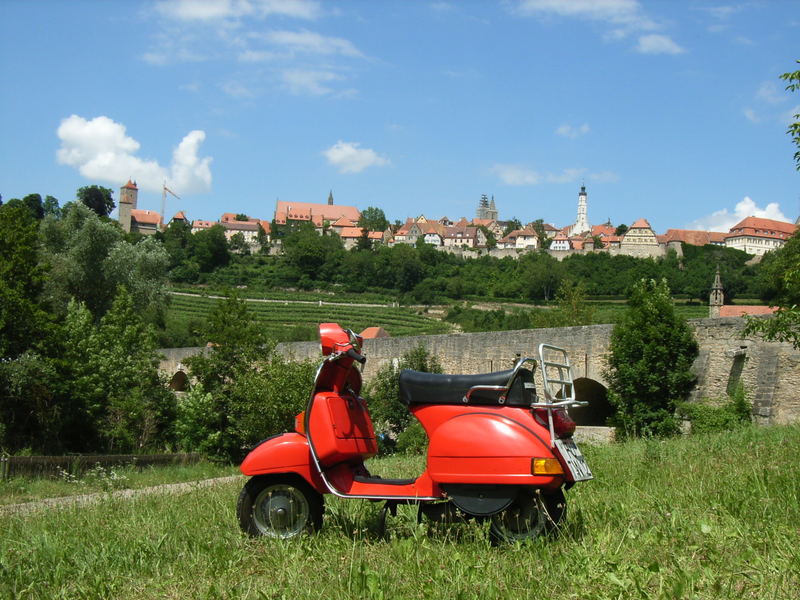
(669, 111)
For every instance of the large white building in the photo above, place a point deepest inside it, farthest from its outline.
(758, 236)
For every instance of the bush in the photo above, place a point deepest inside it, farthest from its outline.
(412, 440)
(707, 418)
(649, 368)
(390, 416)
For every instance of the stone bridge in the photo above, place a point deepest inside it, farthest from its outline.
(769, 371)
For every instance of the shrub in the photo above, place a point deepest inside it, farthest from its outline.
(707, 418)
(649, 368)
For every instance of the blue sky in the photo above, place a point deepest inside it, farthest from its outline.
(672, 111)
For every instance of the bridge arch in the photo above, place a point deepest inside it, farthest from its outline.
(597, 412)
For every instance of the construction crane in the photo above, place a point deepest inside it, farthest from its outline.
(164, 191)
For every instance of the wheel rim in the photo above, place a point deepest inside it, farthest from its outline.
(524, 519)
(281, 511)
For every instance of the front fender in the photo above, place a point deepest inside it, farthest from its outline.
(286, 453)
(488, 448)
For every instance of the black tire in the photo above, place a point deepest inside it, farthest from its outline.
(279, 507)
(530, 515)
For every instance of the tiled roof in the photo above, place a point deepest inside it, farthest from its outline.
(734, 310)
(149, 217)
(198, 224)
(311, 211)
(603, 230)
(370, 333)
(758, 227)
(240, 225)
(131, 185)
(695, 237)
(641, 224)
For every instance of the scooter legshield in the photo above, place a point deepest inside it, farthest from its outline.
(286, 453)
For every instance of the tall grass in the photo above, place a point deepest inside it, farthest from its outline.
(713, 516)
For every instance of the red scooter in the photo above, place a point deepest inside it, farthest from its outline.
(496, 451)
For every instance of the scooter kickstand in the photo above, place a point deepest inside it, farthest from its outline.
(390, 507)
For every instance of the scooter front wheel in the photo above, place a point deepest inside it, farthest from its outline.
(529, 516)
(279, 507)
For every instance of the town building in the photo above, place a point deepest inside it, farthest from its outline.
(133, 219)
(758, 236)
(581, 224)
(310, 212)
(487, 210)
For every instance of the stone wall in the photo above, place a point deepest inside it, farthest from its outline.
(769, 371)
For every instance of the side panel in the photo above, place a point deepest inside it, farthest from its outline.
(488, 447)
(341, 429)
(287, 453)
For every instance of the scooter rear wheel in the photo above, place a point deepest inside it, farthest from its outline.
(529, 516)
(279, 507)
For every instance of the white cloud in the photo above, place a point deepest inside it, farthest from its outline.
(568, 131)
(311, 42)
(209, 10)
(101, 150)
(627, 13)
(519, 175)
(768, 92)
(348, 157)
(658, 44)
(751, 115)
(722, 220)
(301, 81)
(516, 175)
(254, 56)
(234, 89)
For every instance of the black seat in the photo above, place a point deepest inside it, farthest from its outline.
(417, 387)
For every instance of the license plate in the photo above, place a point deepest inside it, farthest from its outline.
(572, 457)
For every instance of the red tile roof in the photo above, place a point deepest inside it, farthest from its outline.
(370, 333)
(311, 211)
(695, 237)
(758, 227)
(738, 310)
(641, 224)
(148, 217)
(130, 185)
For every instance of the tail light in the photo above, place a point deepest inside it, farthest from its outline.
(563, 425)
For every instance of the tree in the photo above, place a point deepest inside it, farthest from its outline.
(253, 391)
(621, 229)
(373, 219)
(512, 225)
(97, 198)
(491, 241)
(541, 234)
(793, 85)
(649, 368)
(51, 207)
(241, 217)
(89, 259)
(363, 242)
(209, 249)
(238, 245)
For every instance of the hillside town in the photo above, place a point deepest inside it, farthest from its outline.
(484, 234)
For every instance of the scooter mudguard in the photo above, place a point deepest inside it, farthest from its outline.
(488, 447)
(285, 453)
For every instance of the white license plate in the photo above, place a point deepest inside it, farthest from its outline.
(574, 460)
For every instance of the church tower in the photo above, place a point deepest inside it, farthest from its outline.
(717, 297)
(330, 198)
(582, 221)
(128, 196)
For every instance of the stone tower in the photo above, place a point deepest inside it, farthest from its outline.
(128, 196)
(582, 221)
(717, 296)
(492, 212)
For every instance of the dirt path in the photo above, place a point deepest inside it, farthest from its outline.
(85, 499)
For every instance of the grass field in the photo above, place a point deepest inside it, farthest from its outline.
(294, 321)
(25, 489)
(698, 517)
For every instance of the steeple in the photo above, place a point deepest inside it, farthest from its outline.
(717, 297)
(581, 222)
(330, 198)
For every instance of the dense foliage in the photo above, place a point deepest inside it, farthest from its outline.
(651, 354)
(245, 392)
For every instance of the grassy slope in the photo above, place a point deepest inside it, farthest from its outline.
(700, 517)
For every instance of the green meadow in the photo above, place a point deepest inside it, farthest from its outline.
(706, 516)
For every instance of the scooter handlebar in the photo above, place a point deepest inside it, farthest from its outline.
(356, 356)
